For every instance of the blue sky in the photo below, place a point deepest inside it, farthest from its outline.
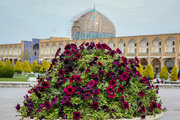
(27, 19)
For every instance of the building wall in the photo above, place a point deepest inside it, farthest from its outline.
(158, 50)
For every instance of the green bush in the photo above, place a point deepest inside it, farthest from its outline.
(6, 72)
(33, 66)
(164, 73)
(17, 67)
(26, 67)
(148, 72)
(1, 64)
(45, 66)
(174, 74)
(140, 69)
(8, 63)
(91, 84)
(36, 69)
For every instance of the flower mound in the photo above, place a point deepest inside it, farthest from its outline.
(91, 82)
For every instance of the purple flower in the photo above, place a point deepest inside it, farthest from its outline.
(53, 100)
(143, 116)
(87, 95)
(96, 91)
(101, 73)
(65, 100)
(18, 107)
(47, 104)
(116, 62)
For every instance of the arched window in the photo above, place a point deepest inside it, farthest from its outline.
(111, 44)
(19, 51)
(2, 50)
(42, 49)
(10, 50)
(15, 51)
(62, 47)
(6, 51)
(47, 50)
(170, 45)
(132, 46)
(54, 49)
(143, 46)
(121, 45)
(156, 45)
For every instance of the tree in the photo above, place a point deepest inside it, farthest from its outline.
(148, 72)
(8, 63)
(164, 73)
(18, 67)
(44, 66)
(26, 67)
(174, 74)
(34, 65)
(140, 69)
(1, 64)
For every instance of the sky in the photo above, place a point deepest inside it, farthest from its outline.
(28, 19)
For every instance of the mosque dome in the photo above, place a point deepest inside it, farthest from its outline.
(91, 25)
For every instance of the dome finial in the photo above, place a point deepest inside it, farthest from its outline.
(94, 9)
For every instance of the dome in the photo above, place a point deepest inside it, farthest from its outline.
(91, 25)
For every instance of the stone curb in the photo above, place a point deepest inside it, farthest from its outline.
(15, 84)
(149, 117)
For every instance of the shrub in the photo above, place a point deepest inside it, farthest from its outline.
(18, 67)
(36, 69)
(44, 66)
(164, 73)
(91, 84)
(34, 65)
(6, 72)
(26, 67)
(174, 74)
(8, 63)
(140, 69)
(1, 64)
(148, 72)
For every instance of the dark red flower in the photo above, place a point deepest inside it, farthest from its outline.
(105, 46)
(111, 95)
(65, 100)
(122, 99)
(66, 71)
(45, 85)
(112, 83)
(120, 89)
(96, 91)
(18, 107)
(141, 93)
(67, 52)
(101, 73)
(139, 103)
(68, 46)
(136, 59)
(159, 106)
(125, 105)
(69, 90)
(54, 61)
(118, 51)
(61, 72)
(153, 104)
(73, 46)
(87, 69)
(72, 78)
(116, 62)
(87, 95)
(111, 53)
(91, 83)
(124, 76)
(110, 74)
(99, 46)
(100, 64)
(47, 104)
(78, 55)
(143, 110)
(87, 44)
(53, 100)
(94, 105)
(78, 79)
(76, 115)
(91, 45)
(143, 116)
(110, 89)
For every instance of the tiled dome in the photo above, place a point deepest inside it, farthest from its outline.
(92, 24)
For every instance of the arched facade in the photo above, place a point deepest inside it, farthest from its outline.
(121, 45)
(62, 47)
(54, 49)
(15, 50)
(47, 49)
(156, 45)
(132, 46)
(170, 45)
(169, 63)
(143, 62)
(156, 64)
(143, 46)
(42, 50)
(111, 44)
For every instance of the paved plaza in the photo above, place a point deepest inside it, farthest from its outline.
(9, 97)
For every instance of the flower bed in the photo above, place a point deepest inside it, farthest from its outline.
(91, 82)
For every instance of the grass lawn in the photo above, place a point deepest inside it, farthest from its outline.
(14, 79)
